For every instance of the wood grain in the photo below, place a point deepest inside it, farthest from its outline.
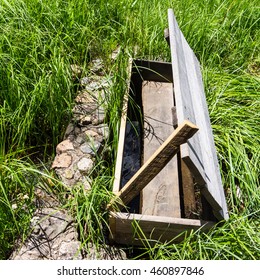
(188, 192)
(157, 161)
(121, 142)
(199, 153)
(126, 228)
(161, 196)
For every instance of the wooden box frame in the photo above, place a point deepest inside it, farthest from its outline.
(198, 154)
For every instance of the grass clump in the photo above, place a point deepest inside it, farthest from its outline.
(39, 42)
(17, 181)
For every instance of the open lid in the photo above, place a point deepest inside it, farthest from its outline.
(199, 152)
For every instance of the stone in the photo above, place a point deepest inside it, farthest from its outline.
(76, 71)
(68, 174)
(104, 253)
(91, 134)
(115, 53)
(69, 130)
(85, 97)
(77, 175)
(80, 140)
(90, 148)
(85, 165)
(86, 184)
(93, 86)
(97, 65)
(84, 109)
(64, 146)
(99, 116)
(100, 112)
(44, 199)
(84, 81)
(86, 149)
(104, 131)
(62, 161)
(77, 130)
(95, 82)
(70, 248)
(85, 120)
(53, 236)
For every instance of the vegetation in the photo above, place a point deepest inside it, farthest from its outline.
(41, 39)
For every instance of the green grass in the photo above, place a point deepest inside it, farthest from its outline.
(41, 39)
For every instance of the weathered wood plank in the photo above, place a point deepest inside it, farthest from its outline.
(154, 228)
(188, 191)
(120, 150)
(121, 141)
(132, 159)
(161, 196)
(157, 161)
(199, 152)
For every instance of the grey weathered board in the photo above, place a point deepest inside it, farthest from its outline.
(199, 152)
(126, 227)
(161, 196)
(121, 143)
(156, 162)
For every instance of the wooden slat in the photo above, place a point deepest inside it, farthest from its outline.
(121, 142)
(148, 70)
(157, 161)
(161, 196)
(154, 228)
(188, 192)
(199, 153)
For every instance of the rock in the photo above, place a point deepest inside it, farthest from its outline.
(104, 253)
(115, 53)
(44, 199)
(77, 130)
(97, 65)
(85, 97)
(68, 174)
(99, 116)
(85, 165)
(53, 236)
(71, 249)
(86, 149)
(96, 83)
(84, 109)
(80, 140)
(90, 148)
(64, 146)
(84, 81)
(100, 112)
(69, 130)
(76, 71)
(77, 176)
(91, 134)
(62, 161)
(86, 184)
(85, 120)
(104, 131)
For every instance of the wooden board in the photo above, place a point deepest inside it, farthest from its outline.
(125, 228)
(121, 142)
(199, 153)
(161, 196)
(156, 162)
(188, 192)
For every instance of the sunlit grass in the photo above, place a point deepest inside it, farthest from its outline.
(41, 39)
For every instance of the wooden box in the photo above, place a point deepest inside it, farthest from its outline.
(187, 194)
